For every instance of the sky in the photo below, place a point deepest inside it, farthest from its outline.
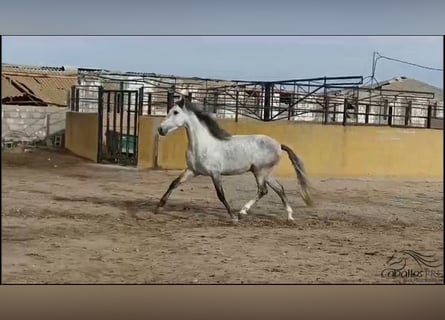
(235, 57)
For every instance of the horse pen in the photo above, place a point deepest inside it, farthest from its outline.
(378, 194)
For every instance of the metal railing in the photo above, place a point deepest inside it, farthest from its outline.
(327, 100)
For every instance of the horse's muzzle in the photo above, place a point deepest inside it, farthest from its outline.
(161, 131)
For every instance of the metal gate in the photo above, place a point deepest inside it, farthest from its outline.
(118, 112)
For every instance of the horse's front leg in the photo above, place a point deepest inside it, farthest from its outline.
(216, 178)
(183, 177)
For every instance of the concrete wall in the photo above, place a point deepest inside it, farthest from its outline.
(147, 141)
(81, 134)
(28, 123)
(338, 151)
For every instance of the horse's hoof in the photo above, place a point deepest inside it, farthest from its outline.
(242, 215)
(157, 210)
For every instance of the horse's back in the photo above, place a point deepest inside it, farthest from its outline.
(260, 141)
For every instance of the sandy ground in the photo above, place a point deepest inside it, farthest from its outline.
(68, 221)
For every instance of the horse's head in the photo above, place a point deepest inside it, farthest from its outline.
(176, 118)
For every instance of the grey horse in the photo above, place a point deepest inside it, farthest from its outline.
(214, 152)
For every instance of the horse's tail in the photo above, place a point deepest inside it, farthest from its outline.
(301, 174)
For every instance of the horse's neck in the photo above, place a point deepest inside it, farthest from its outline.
(198, 136)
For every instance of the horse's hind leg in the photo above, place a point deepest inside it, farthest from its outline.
(260, 177)
(278, 188)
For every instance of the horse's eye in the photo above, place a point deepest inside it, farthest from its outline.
(175, 112)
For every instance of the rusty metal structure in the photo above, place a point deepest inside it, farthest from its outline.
(327, 100)
(120, 98)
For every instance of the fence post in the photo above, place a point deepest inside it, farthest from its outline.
(291, 105)
(99, 124)
(408, 113)
(76, 101)
(267, 101)
(48, 131)
(121, 99)
(334, 113)
(389, 115)
(385, 110)
(71, 99)
(149, 104)
(326, 104)
(428, 119)
(356, 107)
(345, 106)
(140, 102)
(236, 105)
(170, 98)
(326, 109)
(367, 114)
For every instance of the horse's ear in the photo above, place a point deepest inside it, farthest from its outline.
(181, 102)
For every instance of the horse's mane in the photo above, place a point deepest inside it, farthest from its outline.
(205, 118)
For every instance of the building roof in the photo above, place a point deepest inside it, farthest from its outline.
(398, 87)
(63, 71)
(40, 86)
(408, 84)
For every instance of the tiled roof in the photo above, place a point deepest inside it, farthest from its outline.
(45, 87)
(62, 71)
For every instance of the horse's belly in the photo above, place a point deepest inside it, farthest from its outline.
(229, 171)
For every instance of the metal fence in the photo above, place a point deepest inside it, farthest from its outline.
(327, 100)
(325, 103)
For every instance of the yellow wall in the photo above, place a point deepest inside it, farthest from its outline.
(81, 134)
(327, 150)
(147, 137)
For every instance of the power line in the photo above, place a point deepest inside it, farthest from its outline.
(376, 56)
(406, 62)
